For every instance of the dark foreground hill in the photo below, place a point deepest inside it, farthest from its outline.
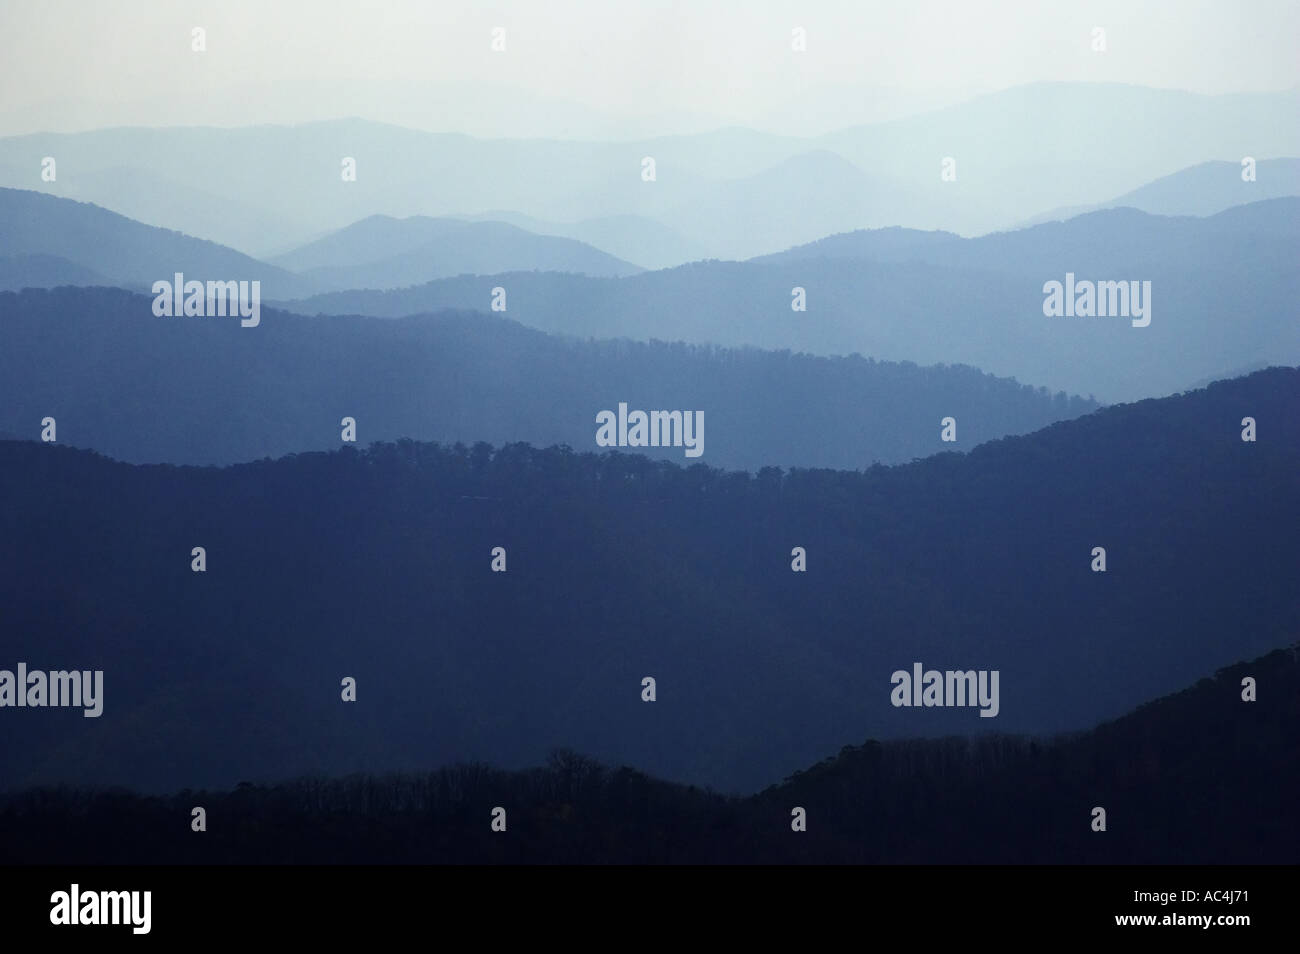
(208, 391)
(1198, 777)
(377, 566)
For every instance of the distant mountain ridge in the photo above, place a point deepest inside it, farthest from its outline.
(151, 389)
(634, 238)
(1017, 152)
(935, 297)
(384, 252)
(1204, 189)
(100, 246)
(1137, 237)
(47, 241)
(45, 271)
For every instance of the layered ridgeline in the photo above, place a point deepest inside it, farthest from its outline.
(1201, 776)
(1203, 189)
(377, 566)
(1189, 298)
(386, 252)
(1168, 301)
(46, 241)
(141, 388)
(734, 192)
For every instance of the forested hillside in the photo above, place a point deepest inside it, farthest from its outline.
(1196, 777)
(378, 565)
(207, 391)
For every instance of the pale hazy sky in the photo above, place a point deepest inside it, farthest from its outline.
(614, 68)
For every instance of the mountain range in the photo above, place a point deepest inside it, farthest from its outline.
(1223, 290)
(383, 252)
(377, 565)
(1203, 189)
(208, 391)
(737, 192)
(1222, 797)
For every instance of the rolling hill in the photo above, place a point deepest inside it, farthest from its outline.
(44, 271)
(376, 565)
(1018, 151)
(1223, 293)
(207, 391)
(100, 247)
(1204, 189)
(383, 252)
(1197, 777)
